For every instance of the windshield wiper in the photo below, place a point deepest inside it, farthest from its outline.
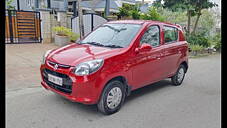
(99, 44)
(94, 43)
(113, 46)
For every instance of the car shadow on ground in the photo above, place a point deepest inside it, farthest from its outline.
(148, 90)
(92, 109)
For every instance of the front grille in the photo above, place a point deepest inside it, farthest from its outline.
(67, 82)
(59, 65)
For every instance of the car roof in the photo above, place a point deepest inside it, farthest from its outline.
(143, 22)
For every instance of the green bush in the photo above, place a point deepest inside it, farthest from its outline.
(196, 47)
(73, 36)
(9, 5)
(135, 14)
(217, 41)
(63, 31)
(144, 16)
(125, 10)
(198, 39)
(152, 15)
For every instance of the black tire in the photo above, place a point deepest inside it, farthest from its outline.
(102, 104)
(175, 80)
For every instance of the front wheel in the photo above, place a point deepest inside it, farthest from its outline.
(178, 78)
(112, 98)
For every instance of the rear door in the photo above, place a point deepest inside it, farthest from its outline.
(171, 53)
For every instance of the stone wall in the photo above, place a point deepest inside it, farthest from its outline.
(50, 20)
(45, 17)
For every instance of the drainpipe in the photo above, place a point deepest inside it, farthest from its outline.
(36, 4)
(18, 5)
(48, 3)
(74, 9)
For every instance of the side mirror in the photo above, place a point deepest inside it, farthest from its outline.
(143, 48)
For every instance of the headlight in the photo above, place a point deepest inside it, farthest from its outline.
(88, 67)
(45, 55)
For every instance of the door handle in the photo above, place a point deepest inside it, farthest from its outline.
(179, 50)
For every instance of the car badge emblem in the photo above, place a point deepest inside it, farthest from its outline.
(56, 66)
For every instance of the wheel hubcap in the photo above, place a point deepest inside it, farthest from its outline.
(180, 75)
(114, 97)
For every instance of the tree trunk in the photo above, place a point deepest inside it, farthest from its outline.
(196, 22)
(189, 21)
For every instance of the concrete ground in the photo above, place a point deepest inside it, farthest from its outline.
(22, 64)
(195, 104)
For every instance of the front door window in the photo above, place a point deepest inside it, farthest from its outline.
(151, 36)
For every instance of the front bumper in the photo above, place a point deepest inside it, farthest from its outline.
(83, 100)
(85, 89)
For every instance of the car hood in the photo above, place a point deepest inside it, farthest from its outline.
(76, 53)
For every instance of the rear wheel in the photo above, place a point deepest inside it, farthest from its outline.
(112, 97)
(178, 78)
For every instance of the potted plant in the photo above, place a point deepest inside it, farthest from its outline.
(64, 35)
(73, 36)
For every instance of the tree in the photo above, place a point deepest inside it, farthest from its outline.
(152, 14)
(199, 6)
(193, 7)
(175, 5)
(157, 3)
(9, 5)
(127, 10)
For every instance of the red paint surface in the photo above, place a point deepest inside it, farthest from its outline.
(139, 68)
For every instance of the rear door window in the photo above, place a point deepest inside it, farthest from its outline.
(170, 34)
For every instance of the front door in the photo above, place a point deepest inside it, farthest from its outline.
(148, 64)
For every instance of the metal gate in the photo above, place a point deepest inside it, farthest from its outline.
(91, 21)
(22, 27)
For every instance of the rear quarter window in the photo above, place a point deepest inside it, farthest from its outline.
(170, 34)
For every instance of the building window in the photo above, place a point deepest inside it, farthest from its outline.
(42, 3)
(30, 3)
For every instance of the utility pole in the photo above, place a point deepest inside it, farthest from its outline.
(107, 8)
(80, 14)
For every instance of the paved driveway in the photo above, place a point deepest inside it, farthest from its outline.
(22, 64)
(195, 104)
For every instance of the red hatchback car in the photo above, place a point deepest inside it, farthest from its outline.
(116, 58)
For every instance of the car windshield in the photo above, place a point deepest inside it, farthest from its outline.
(112, 35)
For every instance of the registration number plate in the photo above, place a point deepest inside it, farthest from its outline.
(55, 79)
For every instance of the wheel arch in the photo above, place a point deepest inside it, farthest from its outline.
(185, 64)
(120, 78)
